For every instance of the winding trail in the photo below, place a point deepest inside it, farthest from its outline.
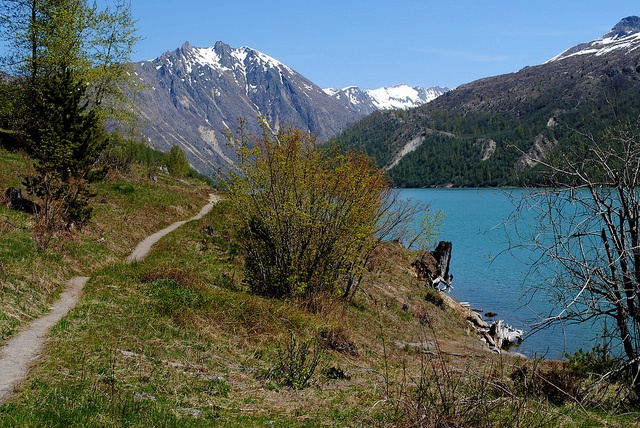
(25, 347)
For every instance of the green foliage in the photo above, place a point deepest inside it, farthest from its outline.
(201, 177)
(121, 153)
(176, 162)
(376, 135)
(68, 77)
(296, 362)
(64, 140)
(307, 215)
(44, 37)
(554, 381)
(597, 361)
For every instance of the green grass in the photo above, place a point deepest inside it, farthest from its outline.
(30, 279)
(177, 341)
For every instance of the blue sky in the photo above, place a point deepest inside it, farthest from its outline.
(373, 43)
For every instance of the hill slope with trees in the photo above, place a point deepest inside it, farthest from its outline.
(493, 132)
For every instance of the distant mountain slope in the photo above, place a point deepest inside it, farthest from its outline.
(192, 96)
(494, 131)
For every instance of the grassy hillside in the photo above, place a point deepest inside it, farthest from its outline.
(127, 208)
(177, 340)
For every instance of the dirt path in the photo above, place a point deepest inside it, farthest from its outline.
(17, 355)
(144, 247)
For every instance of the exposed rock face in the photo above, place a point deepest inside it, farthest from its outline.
(541, 147)
(626, 26)
(192, 96)
(488, 147)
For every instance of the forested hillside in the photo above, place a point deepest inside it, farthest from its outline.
(495, 131)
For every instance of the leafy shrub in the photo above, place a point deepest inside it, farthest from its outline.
(596, 361)
(296, 362)
(307, 215)
(553, 381)
(336, 373)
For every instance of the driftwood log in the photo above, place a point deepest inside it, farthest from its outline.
(433, 266)
(500, 335)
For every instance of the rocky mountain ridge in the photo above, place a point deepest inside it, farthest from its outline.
(192, 96)
(625, 36)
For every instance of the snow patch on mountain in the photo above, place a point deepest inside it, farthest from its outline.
(624, 36)
(602, 46)
(386, 98)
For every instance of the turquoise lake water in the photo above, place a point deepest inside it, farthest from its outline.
(492, 278)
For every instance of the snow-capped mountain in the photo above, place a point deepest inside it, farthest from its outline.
(386, 98)
(403, 96)
(624, 37)
(192, 96)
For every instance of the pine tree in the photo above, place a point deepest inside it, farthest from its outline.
(64, 140)
(67, 59)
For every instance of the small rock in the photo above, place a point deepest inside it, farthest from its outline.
(425, 347)
(139, 396)
(190, 411)
(209, 377)
(130, 353)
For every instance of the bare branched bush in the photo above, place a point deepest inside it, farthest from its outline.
(586, 238)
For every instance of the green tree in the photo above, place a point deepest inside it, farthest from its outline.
(64, 139)
(67, 59)
(308, 216)
(176, 162)
(43, 37)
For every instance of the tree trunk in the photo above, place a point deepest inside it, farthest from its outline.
(433, 266)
